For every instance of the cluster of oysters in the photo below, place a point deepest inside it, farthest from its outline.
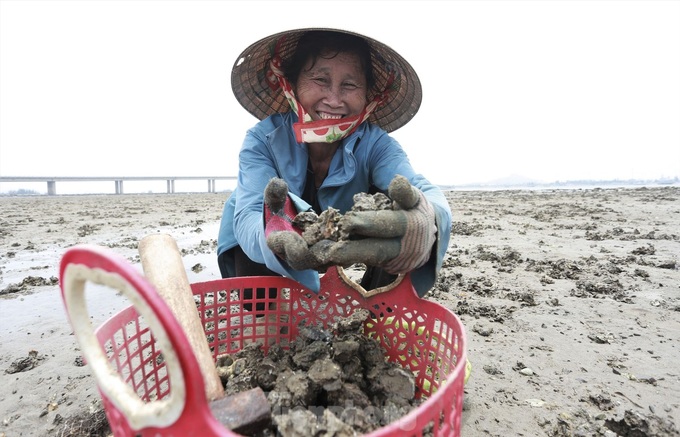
(329, 224)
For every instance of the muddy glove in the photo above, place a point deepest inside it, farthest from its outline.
(398, 240)
(283, 238)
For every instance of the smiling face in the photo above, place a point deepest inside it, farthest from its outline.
(332, 86)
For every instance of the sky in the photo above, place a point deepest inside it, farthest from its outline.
(542, 89)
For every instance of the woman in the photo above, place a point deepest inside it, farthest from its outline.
(327, 100)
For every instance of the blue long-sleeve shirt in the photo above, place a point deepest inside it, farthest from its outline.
(368, 157)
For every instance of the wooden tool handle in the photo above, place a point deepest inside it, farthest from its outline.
(164, 269)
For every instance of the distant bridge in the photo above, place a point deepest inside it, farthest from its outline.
(117, 180)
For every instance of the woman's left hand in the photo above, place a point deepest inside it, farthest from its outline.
(399, 240)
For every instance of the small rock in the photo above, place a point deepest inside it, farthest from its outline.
(24, 364)
(535, 402)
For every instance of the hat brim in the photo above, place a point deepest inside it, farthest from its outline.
(250, 87)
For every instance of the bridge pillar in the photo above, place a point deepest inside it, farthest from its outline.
(119, 186)
(51, 188)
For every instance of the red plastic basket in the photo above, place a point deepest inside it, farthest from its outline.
(150, 381)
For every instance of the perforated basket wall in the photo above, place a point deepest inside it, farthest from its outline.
(421, 335)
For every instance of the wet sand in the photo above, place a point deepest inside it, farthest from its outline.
(570, 301)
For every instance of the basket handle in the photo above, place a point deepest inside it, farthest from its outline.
(84, 263)
(401, 284)
(338, 271)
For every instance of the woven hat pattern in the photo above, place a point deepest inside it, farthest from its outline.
(252, 90)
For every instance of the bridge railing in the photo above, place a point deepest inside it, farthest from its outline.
(117, 180)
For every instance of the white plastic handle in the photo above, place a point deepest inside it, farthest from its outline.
(159, 413)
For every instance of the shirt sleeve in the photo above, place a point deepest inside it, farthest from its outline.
(388, 160)
(256, 168)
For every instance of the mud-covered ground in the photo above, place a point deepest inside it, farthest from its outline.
(570, 301)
